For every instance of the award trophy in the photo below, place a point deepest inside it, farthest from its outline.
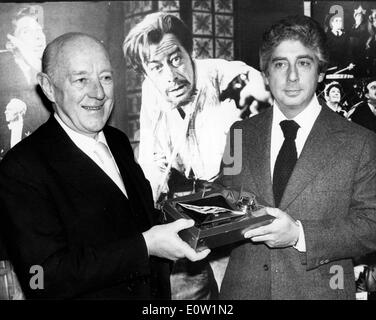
(221, 216)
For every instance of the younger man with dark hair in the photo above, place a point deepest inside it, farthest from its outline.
(314, 171)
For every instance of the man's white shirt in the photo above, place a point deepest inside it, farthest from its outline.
(88, 145)
(305, 120)
(161, 126)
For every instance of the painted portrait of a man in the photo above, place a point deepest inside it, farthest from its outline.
(21, 107)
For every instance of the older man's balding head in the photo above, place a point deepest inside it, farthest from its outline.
(54, 53)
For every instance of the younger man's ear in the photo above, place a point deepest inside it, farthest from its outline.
(265, 77)
(321, 77)
(46, 85)
(266, 80)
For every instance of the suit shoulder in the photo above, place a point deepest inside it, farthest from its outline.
(118, 136)
(367, 135)
(354, 131)
(353, 128)
(115, 132)
(258, 120)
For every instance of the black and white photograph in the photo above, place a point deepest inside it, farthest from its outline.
(206, 151)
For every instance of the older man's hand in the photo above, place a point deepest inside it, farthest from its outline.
(282, 232)
(163, 241)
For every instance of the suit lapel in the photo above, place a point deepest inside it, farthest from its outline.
(132, 177)
(83, 179)
(258, 143)
(75, 167)
(320, 150)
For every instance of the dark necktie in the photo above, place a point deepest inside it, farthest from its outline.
(286, 159)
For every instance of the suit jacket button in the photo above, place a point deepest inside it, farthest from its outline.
(266, 267)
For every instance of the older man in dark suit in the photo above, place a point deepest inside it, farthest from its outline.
(315, 172)
(74, 203)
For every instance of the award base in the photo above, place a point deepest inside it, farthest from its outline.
(221, 216)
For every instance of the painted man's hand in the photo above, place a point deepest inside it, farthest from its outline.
(254, 88)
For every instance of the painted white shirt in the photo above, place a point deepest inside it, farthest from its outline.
(162, 128)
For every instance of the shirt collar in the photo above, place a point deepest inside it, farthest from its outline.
(304, 119)
(82, 141)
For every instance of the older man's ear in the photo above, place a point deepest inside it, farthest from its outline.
(47, 86)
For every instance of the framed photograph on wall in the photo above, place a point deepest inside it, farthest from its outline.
(22, 107)
(25, 29)
(350, 27)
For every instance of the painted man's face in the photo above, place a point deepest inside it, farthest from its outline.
(358, 18)
(372, 91)
(334, 95)
(337, 23)
(30, 33)
(171, 70)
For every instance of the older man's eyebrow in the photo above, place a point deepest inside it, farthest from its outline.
(79, 73)
(108, 70)
(83, 72)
